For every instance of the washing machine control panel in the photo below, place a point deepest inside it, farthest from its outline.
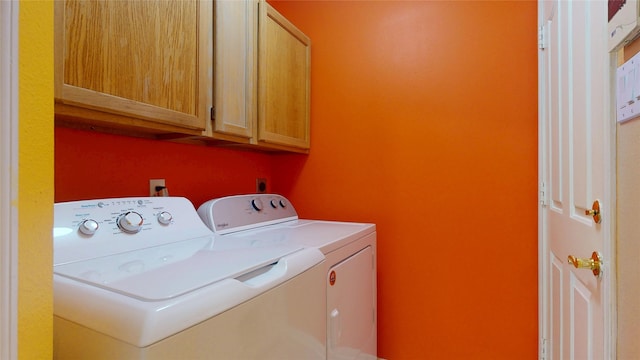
(242, 212)
(93, 228)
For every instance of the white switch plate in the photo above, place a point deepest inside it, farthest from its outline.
(152, 185)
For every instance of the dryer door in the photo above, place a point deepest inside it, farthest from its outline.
(351, 307)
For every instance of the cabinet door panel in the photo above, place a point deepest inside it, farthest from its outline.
(236, 26)
(284, 77)
(133, 58)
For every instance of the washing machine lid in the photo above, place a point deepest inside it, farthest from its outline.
(169, 271)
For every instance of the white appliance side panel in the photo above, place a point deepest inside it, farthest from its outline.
(287, 322)
(351, 307)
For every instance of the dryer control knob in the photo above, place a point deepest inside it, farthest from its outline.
(274, 204)
(165, 218)
(130, 222)
(257, 204)
(88, 227)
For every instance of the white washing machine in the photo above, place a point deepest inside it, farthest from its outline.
(144, 278)
(349, 267)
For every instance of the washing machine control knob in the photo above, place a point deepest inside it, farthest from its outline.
(165, 218)
(88, 227)
(257, 204)
(130, 222)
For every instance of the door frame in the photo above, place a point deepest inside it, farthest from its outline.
(607, 208)
(8, 179)
(610, 295)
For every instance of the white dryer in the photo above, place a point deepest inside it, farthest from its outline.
(349, 268)
(144, 278)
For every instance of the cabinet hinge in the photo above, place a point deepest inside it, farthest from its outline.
(213, 113)
(543, 194)
(541, 38)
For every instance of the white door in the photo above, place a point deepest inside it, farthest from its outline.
(575, 170)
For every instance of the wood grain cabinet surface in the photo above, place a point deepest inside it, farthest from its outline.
(235, 70)
(262, 71)
(224, 72)
(133, 64)
(284, 78)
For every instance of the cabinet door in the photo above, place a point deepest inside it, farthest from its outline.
(235, 48)
(138, 60)
(284, 78)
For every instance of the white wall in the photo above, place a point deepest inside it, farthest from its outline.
(628, 237)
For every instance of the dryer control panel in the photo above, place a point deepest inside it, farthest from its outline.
(242, 212)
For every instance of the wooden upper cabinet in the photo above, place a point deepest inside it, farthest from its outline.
(261, 86)
(284, 81)
(140, 64)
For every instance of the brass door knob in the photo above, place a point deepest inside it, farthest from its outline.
(595, 212)
(594, 263)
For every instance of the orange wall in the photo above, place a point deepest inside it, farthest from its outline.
(93, 165)
(424, 121)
